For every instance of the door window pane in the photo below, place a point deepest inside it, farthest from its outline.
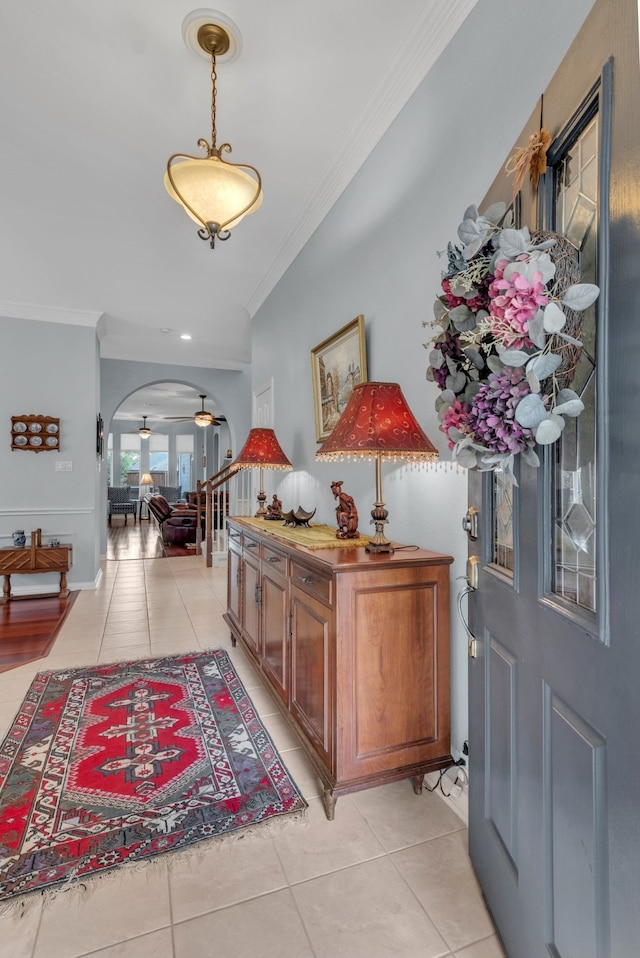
(502, 493)
(576, 207)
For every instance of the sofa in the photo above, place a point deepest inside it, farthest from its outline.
(177, 524)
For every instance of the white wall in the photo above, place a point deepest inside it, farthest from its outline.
(376, 254)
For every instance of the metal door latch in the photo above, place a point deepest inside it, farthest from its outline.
(470, 523)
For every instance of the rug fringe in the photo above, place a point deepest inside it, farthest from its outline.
(75, 890)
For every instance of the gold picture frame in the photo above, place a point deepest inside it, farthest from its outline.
(338, 364)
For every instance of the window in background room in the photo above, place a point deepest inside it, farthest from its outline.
(184, 453)
(159, 460)
(130, 461)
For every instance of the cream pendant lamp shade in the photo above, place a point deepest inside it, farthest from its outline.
(214, 192)
(217, 190)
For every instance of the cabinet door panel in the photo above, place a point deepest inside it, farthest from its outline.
(233, 585)
(275, 625)
(251, 607)
(393, 677)
(311, 688)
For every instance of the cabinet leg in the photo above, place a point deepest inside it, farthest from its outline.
(329, 800)
(64, 592)
(417, 783)
(6, 589)
(233, 640)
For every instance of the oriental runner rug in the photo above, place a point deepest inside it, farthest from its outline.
(114, 764)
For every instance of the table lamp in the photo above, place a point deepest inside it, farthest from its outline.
(377, 423)
(261, 450)
(145, 482)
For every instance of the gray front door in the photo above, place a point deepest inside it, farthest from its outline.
(555, 684)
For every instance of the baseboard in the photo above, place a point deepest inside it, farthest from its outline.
(34, 589)
(457, 799)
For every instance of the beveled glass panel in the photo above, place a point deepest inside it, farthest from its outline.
(502, 547)
(576, 210)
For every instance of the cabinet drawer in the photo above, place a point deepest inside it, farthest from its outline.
(311, 581)
(250, 546)
(275, 561)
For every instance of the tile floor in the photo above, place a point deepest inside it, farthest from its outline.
(389, 877)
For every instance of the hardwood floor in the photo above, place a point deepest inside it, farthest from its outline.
(28, 628)
(139, 540)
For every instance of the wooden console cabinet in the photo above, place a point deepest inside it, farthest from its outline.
(33, 560)
(355, 649)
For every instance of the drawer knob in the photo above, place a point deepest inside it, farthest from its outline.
(306, 579)
(251, 545)
(273, 559)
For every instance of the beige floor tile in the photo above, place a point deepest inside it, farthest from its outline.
(125, 904)
(122, 628)
(122, 639)
(364, 911)
(322, 846)
(400, 818)
(268, 927)
(489, 948)
(135, 603)
(263, 702)
(179, 634)
(70, 660)
(224, 872)
(159, 944)
(441, 876)
(18, 931)
(282, 734)
(127, 618)
(70, 641)
(124, 653)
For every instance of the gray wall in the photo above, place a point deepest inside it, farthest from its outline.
(51, 369)
(376, 254)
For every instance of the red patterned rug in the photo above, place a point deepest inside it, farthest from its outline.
(118, 763)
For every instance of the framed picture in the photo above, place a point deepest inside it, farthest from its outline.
(99, 437)
(337, 365)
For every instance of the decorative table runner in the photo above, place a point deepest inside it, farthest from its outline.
(311, 537)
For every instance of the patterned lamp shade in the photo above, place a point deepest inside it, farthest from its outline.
(377, 423)
(261, 449)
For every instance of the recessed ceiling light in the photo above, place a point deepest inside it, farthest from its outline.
(185, 336)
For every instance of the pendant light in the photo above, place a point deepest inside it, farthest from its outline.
(144, 432)
(214, 192)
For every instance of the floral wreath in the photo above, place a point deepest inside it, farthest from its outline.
(505, 353)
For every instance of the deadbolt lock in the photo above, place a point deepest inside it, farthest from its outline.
(470, 523)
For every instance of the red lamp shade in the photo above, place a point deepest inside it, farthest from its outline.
(261, 449)
(377, 422)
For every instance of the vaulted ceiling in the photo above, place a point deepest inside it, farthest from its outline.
(96, 96)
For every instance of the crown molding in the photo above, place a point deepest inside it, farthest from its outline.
(50, 314)
(405, 71)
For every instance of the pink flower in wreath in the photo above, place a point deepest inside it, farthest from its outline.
(456, 417)
(513, 303)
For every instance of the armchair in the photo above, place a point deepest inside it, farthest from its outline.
(119, 503)
(177, 524)
(171, 493)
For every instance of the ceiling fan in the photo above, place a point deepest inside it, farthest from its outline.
(201, 417)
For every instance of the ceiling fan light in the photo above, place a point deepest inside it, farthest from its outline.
(203, 419)
(144, 432)
(218, 191)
